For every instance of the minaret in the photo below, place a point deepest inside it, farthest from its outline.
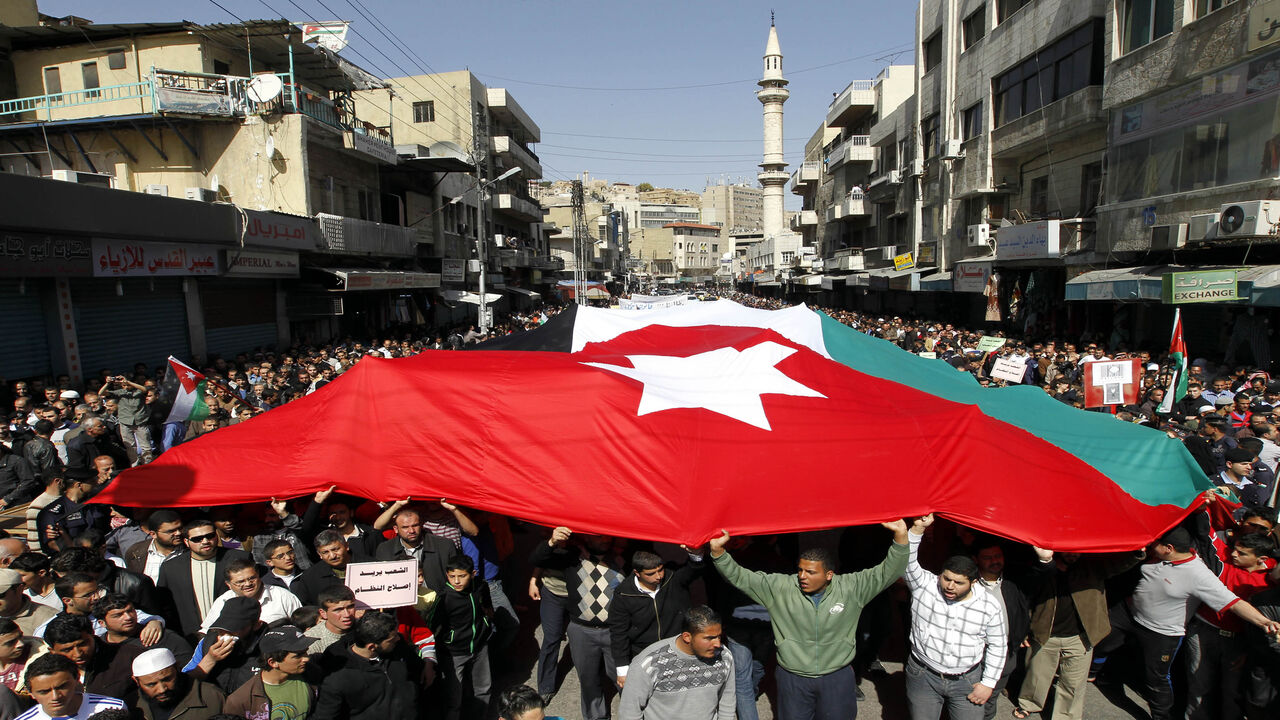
(773, 174)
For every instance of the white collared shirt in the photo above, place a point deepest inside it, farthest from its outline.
(277, 604)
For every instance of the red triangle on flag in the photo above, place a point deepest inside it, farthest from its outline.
(187, 377)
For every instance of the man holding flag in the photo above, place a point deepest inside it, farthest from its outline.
(187, 388)
(1178, 359)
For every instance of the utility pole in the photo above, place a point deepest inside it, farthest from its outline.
(480, 143)
(580, 240)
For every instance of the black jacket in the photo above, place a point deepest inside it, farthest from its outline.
(18, 481)
(356, 689)
(315, 580)
(135, 586)
(313, 523)
(42, 455)
(436, 552)
(637, 620)
(460, 620)
(175, 578)
(110, 671)
(83, 448)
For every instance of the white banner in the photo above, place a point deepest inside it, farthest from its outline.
(1009, 369)
(652, 302)
(453, 270)
(379, 585)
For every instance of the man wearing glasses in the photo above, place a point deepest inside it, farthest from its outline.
(282, 561)
(242, 576)
(198, 576)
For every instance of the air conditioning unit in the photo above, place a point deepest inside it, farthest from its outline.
(951, 150)
(916, 168)
(1169, 237)
(887, 252)
(83, 178)
(473, 266)
(894, 177)
(202, 194)
(1203, 227)
(1248, 219)
(980, 235)
(156, 190)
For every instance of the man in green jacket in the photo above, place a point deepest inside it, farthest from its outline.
(815, 620)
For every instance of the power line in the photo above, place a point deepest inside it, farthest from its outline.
(699, 85)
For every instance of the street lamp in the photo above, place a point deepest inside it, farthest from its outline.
(482, 241)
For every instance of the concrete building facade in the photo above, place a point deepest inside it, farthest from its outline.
(736, 208)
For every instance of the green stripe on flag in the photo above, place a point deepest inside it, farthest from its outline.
(1147, 464)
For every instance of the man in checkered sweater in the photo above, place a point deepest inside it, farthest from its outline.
(591, 575)
(959, 637)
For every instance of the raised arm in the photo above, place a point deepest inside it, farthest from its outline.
(916, 576)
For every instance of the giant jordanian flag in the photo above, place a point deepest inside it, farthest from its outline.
(674, 424)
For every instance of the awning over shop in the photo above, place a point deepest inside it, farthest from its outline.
(521, 291)
(461, 296)
(1263, 285)
(829, 282)
(771, 283)
(353, 279)
(808, 280)
(1132, 283)
(937, 282)
(890, 279)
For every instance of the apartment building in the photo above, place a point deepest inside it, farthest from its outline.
(142, 116)
(734, 207)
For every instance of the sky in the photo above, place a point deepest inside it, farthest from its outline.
(659, 92)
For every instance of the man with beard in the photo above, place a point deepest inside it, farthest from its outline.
(412, 542)
(331, 571)
(959, 637)
(168, 693)
(165, 529)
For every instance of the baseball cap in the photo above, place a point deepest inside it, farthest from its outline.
(285, 638)
(9, 578)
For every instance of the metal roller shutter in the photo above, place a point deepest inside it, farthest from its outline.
(147, 324)
(231, 341)
(23, 331)
(239, 315)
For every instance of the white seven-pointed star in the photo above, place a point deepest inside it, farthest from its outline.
(725, 381)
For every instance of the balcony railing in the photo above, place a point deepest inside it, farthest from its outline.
(855, 148)
(189, 93)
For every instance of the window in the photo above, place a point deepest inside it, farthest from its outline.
(52, 81)
(929, 132)
(1204, 7)
(1090, 188)
(115, 59)
(888, 159)
(933, 51)
(221, 67)
(1040, 196)
(972, 125)
(89, 72)
(424, 112)
(1068, 65)
(1007, 8)
(974, 27)
(1146, 20)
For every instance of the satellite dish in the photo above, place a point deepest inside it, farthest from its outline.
(264, 88)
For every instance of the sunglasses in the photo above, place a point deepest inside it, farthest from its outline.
(202, 538)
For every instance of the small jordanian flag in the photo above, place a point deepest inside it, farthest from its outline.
(188, 392)
(1178, 357)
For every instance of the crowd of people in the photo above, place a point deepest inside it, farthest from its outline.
(246, 611)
